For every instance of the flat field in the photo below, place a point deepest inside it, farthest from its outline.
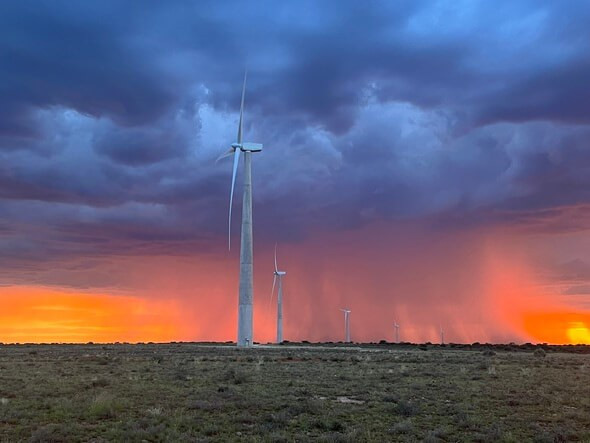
(199, 392)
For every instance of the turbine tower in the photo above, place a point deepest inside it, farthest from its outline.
(346, 324)
(396, 327)
(246, 290)
(278, 275)
(442, 336)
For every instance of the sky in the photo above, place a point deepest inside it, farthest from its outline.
(424, 162)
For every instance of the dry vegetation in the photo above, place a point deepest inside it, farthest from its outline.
(191, 392)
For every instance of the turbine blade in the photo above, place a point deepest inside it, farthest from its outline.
(276, 266)
(241, 123)
(225, 154)
(231, 194)
(272, 292)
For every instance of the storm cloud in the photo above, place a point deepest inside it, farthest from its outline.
(458, 115)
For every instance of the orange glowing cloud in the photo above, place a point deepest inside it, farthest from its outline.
(524, 303)
(478, 285)
(32, 314)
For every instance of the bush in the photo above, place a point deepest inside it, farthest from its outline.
(483, 366)
(49, 433)
(205, 405)
(403, 427)
(236, 376)
(103, 406)
(406, 408)
(100, 383)
(539, 353)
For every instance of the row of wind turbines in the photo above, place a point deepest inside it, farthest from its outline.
(396, 328)
(246, 286)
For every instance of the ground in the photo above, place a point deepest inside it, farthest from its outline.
(380, 392)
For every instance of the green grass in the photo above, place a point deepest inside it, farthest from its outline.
(191, 392)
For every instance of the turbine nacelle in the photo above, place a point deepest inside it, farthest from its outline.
(247, 147)
(280, 273)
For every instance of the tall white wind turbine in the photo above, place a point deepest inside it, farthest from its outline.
(278, 275)
(346, 324)
(396, 327)
(246, 290)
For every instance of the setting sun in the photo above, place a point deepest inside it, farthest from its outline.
(579, 333)
(558, 327)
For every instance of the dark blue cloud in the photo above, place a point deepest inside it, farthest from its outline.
(113, 113)
(81, 57)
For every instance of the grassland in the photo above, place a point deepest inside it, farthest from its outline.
(192, 392)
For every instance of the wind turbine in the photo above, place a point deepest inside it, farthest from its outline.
(246, 289)
(346, 324)
(278, 274)
(396, 326)
(442, 336)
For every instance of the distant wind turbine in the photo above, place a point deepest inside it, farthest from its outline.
(278, 275)
(396, 327)
(346, 324)
(442, 336)
(246, 289)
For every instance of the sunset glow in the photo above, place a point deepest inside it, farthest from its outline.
(558, 327)
(43, 315)
(483, 290)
